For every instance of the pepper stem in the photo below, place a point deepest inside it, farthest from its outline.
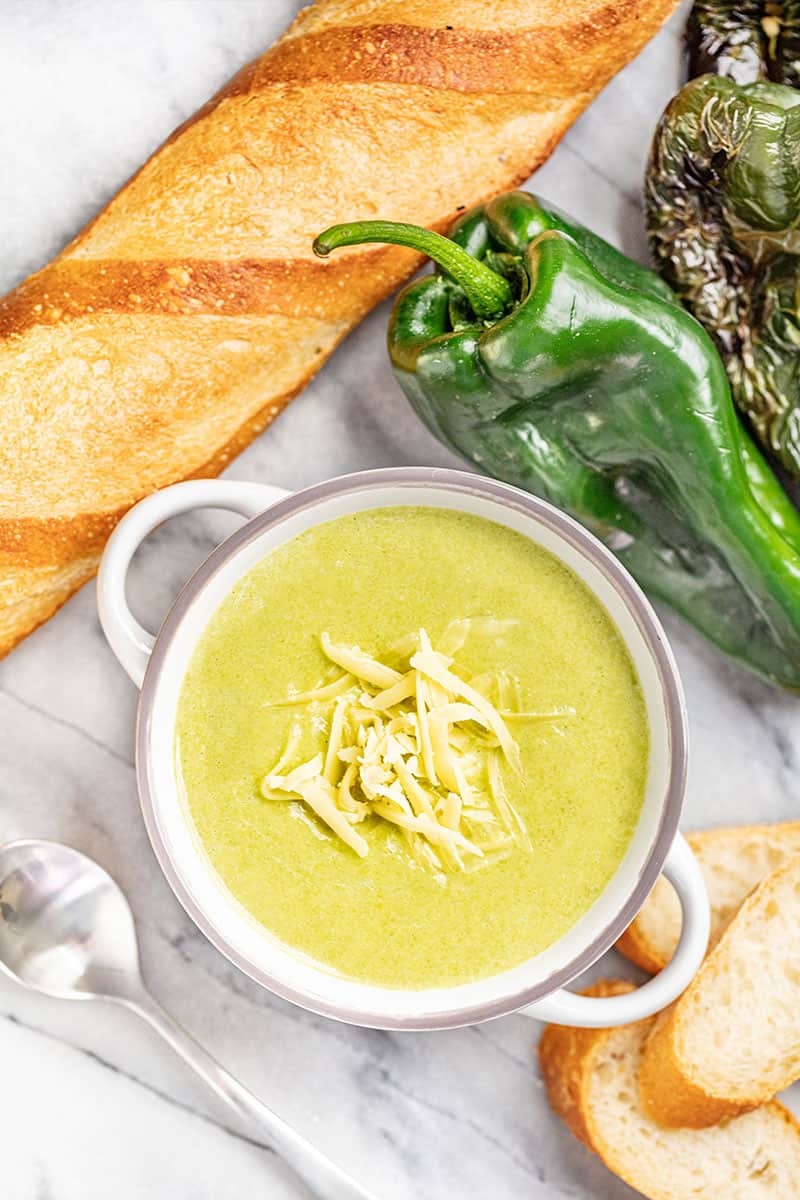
(489, 294)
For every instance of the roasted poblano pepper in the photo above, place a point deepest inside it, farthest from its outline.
(551, 361)
(723, 215)
(745, 40)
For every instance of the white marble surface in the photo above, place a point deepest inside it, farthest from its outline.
(92, 1106)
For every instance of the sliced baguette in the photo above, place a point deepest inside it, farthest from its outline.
(590, 1076)
(733, 1038)
(733, 860)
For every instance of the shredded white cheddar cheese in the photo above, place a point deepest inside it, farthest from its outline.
(419, 746)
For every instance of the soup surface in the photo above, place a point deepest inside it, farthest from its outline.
(366, 580)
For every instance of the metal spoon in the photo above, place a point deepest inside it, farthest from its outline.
(66, 930)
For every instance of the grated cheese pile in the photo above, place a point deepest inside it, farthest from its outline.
(417, 745)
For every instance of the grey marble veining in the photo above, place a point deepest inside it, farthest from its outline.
(98, 1106)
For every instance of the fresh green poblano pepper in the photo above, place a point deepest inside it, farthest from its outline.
(723, 215)
(551, 361)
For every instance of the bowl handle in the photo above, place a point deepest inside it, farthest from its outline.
(599, 1012)
(129, 640)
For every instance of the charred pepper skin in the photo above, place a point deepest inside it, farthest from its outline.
(723, 215)
(596, 391)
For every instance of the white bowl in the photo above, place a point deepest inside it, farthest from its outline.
(159, 666)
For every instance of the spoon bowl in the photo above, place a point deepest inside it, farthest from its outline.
(65, 927)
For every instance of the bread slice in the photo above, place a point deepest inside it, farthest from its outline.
(733, 1038)
(591, 1080)
(733, 860)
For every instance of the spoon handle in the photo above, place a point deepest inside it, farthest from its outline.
(326, 1180)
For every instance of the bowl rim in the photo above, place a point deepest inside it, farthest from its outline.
(649, 627)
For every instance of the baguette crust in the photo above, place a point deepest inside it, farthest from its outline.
(636, 946)
(590, 1076)
(672, 1099)
(188, 313)
(566, 1060)
(714, 1053)
(733, 859)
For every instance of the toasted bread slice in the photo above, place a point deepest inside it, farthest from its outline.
(591, 1079)
(733, 1038)
(733, 861)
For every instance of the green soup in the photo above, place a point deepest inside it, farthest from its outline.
(366, 579)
